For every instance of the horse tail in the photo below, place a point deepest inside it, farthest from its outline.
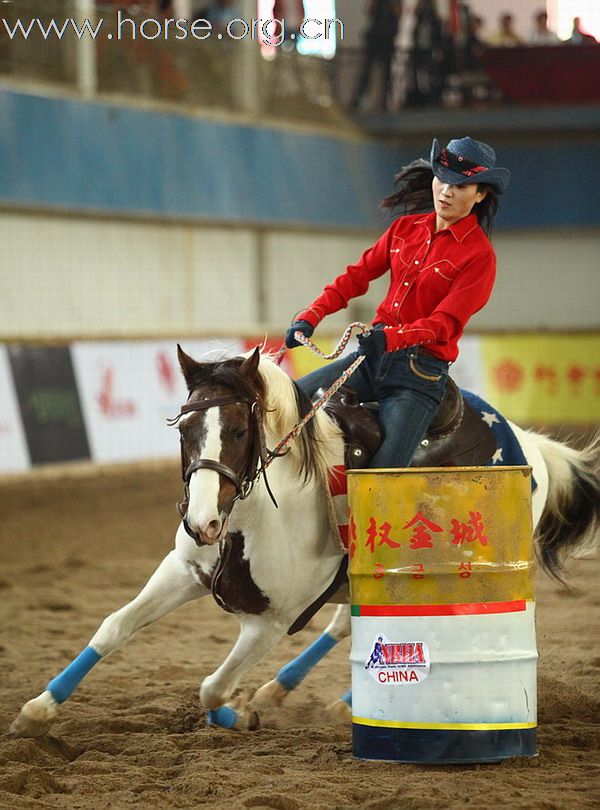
(570, 521)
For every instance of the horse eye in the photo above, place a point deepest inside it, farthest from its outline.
(239, 434)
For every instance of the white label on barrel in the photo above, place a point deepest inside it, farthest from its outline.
(398, 662)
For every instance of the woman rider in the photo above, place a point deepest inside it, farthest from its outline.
(442, 268)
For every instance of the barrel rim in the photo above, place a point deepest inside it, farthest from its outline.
(523, 468)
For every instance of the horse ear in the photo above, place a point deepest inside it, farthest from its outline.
(250, 365)
(187, 364)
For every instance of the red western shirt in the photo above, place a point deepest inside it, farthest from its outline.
(437, 282)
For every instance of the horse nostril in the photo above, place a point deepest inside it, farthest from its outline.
(213, 528)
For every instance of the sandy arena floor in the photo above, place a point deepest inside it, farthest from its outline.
(75, 548)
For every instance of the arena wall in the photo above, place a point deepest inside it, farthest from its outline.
(105, 277)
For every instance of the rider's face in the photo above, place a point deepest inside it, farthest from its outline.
(453, 203)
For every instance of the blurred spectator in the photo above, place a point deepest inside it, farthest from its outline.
(380, 38)
(167, 9)
(505, 36)
(426, 56)
(578, 36)
(292, 11)
(218, 13)
(469, 41)
(474, 43)
(541, 34)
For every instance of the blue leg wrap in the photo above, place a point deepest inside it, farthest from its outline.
(224, 716)
(65, 684)
(293, 673)
(347, 698)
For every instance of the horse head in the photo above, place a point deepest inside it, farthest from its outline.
(221, 437)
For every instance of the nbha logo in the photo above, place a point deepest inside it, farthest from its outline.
(398, 662)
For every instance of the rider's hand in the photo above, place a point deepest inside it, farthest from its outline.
(373, 343)
(298, 326)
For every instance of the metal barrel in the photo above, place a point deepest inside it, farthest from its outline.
(443, 615)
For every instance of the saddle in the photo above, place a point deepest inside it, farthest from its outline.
(456, 437)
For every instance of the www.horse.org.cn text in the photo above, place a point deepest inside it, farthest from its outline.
(271, 32)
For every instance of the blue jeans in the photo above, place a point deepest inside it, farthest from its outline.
(407, 384)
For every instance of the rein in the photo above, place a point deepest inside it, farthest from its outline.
(341, 380)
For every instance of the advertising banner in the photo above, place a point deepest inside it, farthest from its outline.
(544, 379)
(13, 447)
(300, 361)
(130, 388)
(49, 403)
(467, 371)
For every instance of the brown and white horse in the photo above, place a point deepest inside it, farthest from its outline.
(268, 564)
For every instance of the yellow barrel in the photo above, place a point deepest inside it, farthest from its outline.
(443, 615)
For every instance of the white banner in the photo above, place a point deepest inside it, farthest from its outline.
(129, 389)
(467, 372)
(13, 445)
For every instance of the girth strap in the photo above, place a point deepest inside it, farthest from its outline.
(306, 615)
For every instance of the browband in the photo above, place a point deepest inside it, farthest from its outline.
(204, 404)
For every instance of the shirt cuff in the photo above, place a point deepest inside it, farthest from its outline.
(402, 338)
(313, 315)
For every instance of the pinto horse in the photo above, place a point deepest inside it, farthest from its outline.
(271, 565)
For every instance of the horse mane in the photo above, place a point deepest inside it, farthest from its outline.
(285, 404)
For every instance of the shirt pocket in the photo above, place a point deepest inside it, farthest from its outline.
(398, 253)
(443, 269)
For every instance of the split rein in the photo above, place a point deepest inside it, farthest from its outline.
(260, 456)
(341, 380)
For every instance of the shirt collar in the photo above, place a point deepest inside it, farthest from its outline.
(460, 230)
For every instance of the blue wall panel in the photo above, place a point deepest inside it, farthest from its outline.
(91, 156)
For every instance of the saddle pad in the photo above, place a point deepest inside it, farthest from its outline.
(509, 452)
(338, 506)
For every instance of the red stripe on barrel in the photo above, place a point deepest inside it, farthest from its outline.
(468, 608)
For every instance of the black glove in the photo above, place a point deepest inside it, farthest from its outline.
(372, 344)
(298, 326)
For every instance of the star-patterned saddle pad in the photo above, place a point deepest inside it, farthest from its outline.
(509, 452)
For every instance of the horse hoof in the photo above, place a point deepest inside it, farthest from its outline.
(340, 712)
(238, 715)
(269, 696)
(247, 716)
(35, 718)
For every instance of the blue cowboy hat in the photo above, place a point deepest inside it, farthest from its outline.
(465, 160)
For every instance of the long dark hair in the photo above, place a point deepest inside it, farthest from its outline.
(413, 195)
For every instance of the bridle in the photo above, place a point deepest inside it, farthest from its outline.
(259, 456)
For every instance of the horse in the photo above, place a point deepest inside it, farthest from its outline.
(266, 547)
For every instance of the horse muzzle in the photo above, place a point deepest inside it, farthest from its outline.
(209, 534)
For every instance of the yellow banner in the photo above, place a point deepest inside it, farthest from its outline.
(304, 361)
(552, 379)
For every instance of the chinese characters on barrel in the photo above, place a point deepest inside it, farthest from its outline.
(422, 535)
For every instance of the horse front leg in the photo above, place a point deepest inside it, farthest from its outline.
(258, 635)
(170, 586)
(270, 696)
